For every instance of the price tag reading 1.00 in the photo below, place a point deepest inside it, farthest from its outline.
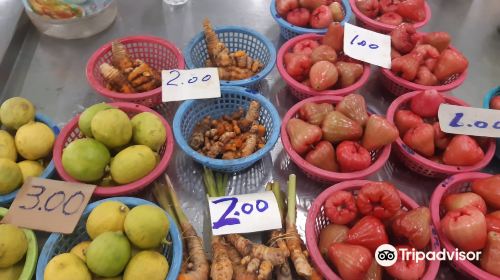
(244, 213)
(367, 46)
(198, 83)
(469, 120)
(49, 205)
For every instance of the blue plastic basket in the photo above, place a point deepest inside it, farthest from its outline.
(192, 112)
(288, 30)
(236, 38)
(486, 104)
(49, 170)
(58, 243)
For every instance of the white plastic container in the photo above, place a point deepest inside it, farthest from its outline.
(100, 17)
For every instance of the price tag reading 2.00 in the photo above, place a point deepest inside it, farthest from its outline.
(244, 213)
(197, 83)
(49, 205)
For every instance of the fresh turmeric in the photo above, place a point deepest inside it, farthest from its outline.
(222, 268)
(246, 247)
(237, 65)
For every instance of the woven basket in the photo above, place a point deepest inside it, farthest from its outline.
(58, 243)
(256, 45)
(156, 52)
(422, 165)
(192, 112)
(302, 91)
(288, 30)
(71, 132)
(377, 26)
(316, 221)
(456, 184)
(379, 157)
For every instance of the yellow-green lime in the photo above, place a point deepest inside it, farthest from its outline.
(146, 226)
(16, 112)
(148, 130)
(111, 127)
(11, 176)
(149, 265)
(107, 216)
(34, 140)
(108, 254)
(85, 159)
(86, 117)
(30, 168)
(13, 245)
(132, 164)
(66, 266)
(7, 146)
(12, 272)
(80, 250)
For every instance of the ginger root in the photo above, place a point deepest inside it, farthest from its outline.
(237, 65)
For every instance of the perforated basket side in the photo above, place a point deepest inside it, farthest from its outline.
(235, 38)
(192, 112)
(58, 243)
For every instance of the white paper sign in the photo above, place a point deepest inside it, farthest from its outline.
(197, 83)
(367, 46)
(244, 213)
(469, 120)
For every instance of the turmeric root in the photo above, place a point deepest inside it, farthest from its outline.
(265, 270)
(115, 78)
(239, 271)
(250, 145)
(246, 247)
(231, 66)
(120, 58)
(222, 268)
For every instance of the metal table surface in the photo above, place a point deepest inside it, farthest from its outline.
(50, 72)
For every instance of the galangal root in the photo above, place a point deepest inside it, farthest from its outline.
(126, 75)
(230, 137)
(231, 66)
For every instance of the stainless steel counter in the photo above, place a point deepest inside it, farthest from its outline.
(50, 72)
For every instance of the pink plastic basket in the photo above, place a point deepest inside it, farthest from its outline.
(379, 157)
(398, 86)
(302, 91)
(456, 184)
(422, 165)
(157, 52)
(316, 220)
(374, 25)
(71, 132)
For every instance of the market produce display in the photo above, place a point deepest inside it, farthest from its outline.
(237, 65)
(425, 58)
(124, 241)
(393, 12)
(113, 145)
(13, 248)
(25, 144)
(418, 125)
(127, 75)
(230, 137)
(355, 134)
(321, 64)
(311, 13)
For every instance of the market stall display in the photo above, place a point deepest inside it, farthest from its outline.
(337, 132)
(25, 146)
(453, 155)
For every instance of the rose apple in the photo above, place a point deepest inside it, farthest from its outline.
(495, 103)
(323, 156)
(321, 17)
(284, 6)
(324, 52)
(332, 233)
(351, 261)
(414, 225)
(302, 135)
(352, 157)
(421, 139)
(489, 190)
(368, 232)
(426, 103)
(462, 150)
(490, 259)
(456, 201)
(406, 119)
(314, 113)
(340, 208)
(299, 17)
(369, 8)
(380, 199)
(465, 228)
(408, 269)
(323, 75)
(305, 46)
(298, 65)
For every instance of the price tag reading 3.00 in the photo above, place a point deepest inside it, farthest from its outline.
(244, 213)
(49, 205)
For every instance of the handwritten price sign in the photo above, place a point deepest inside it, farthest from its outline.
(367, 46)
(244, 213)
(469, 120)
(49, 205)
(190, 84)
